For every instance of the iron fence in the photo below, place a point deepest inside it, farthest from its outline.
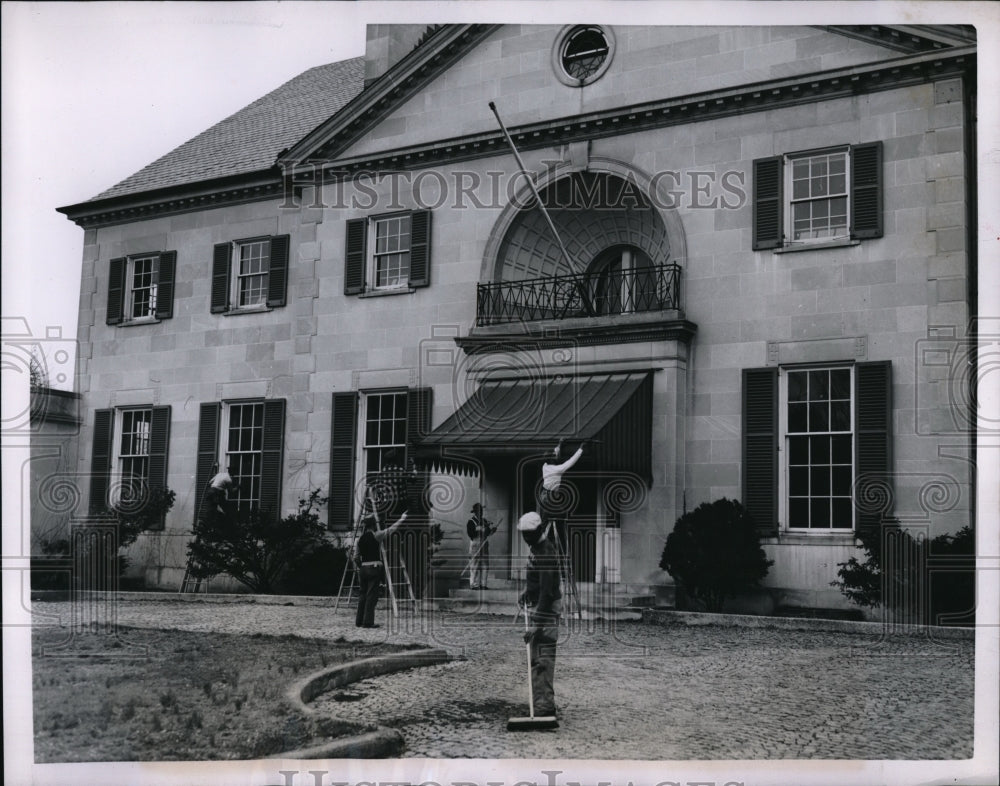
(615, 291)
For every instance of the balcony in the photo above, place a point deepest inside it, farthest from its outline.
(610, 292)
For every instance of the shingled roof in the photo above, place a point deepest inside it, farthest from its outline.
(250, 140)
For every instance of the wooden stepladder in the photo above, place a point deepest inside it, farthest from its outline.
(189, 583)
(566, 572)
(397, 579)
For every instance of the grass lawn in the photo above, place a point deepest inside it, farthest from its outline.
(158, 695)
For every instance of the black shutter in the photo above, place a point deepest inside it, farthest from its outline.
(343, 435)
(277, 281)
(221, 260)
(159, 440)
(418, 425)
(274, 440)
(355, 256)
(420, 248)
(116, 291)
(768, 208)
(873, 443)
(866, 191)
(418, 416)
(165, 285)
(760, 448)
(208, 451)
(100, 459)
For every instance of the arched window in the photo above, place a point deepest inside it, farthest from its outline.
(623, 280)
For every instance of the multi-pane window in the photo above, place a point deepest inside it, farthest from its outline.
(253, 261)
(820, 453)
(142, 278)
(384, 429)
(249, 275)
(391, 257)
(243, 454)
(818, 190)
(133, 454)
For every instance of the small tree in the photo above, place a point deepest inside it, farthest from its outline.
(147, 512)
(714, 552)
(259, 549)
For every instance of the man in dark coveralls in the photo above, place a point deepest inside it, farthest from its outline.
(543, 595)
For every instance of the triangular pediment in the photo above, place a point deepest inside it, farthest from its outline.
(443, 88)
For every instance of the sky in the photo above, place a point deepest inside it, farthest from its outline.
(92, 92)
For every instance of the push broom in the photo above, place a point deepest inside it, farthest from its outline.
(532, 722)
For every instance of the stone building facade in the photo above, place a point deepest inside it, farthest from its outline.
(760, 285)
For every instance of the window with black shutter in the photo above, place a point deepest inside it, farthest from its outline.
(250, 275)
(246, 439)
(388, 253)
(818, 197)
(129, 456)
(817, 447)
(370, 432)
(141, 288)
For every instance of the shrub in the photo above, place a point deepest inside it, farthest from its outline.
(714, 552)
(259, 549)
(318, 571)
(50, 570)
(924, 581)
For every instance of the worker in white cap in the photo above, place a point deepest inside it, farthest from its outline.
(543, 596)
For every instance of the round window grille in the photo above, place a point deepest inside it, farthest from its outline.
(582, 54)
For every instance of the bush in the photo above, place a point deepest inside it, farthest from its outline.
(318, 571)
(259, 549)
(50, 570)
(714, 552)
(923, 581)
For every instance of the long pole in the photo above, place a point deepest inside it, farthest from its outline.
(541, 206)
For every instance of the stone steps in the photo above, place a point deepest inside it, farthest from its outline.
(596, 601)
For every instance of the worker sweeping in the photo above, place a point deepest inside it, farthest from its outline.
(543, 596)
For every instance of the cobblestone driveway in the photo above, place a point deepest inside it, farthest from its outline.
(636, 691)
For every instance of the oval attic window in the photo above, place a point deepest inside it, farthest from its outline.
(584, 53)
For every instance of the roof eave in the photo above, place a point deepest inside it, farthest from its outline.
(183, 198)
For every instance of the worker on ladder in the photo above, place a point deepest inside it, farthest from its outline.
(553, 507)
(217, 502)
(369, 554)
(550, 504)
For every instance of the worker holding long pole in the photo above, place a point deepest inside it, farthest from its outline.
(542, 603)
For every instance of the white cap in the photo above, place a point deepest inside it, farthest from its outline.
(529, 521)
(222, 480)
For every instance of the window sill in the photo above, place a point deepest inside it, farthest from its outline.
(232, 312)
(793, 248)
(140, 321)
(387, 292)
(840, 538)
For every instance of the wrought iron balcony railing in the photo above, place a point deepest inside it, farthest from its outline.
(615, 291)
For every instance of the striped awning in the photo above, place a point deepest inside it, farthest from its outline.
(520, 417)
